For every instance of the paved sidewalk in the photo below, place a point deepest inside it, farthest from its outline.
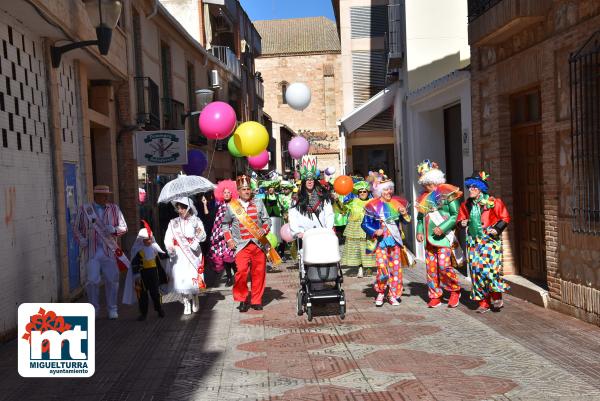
(408, 352)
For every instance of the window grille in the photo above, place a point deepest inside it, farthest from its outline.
(585, 135)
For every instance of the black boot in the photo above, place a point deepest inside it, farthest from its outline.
(243, 307)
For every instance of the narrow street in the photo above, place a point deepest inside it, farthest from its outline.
(405, 353)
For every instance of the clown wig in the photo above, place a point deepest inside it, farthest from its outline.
(378, 188)
(222, 186)
(433, 176)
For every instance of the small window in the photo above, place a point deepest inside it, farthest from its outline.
(284, 87)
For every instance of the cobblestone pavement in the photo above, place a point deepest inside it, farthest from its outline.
(408, 352)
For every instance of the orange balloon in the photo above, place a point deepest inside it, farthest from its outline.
(343, 185)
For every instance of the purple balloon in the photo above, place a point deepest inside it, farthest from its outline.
(286, 233)
(259, 161)
(298, 147)
(197, 162)
(217, 120)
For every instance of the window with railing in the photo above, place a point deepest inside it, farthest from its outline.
(228, 57)
(585, 135)
(148, 103)
(172, 114)
(477, 8)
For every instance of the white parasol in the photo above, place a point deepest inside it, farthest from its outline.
(184, 185)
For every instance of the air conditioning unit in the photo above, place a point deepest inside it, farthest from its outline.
(215, 80)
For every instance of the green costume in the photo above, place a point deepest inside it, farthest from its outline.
(449, 211)
(355, 247)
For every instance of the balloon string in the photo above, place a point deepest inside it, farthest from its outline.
(212, 157)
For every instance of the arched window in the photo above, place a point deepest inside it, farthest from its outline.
(284, 86)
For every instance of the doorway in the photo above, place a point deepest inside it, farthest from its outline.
(528, 210)
(453, 153)
(374, 158)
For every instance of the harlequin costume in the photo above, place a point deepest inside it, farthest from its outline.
(146, 274)
(390, 253)
(242, 223)
(439, 208)
(355, 245)
(221, 256)
(483, 215)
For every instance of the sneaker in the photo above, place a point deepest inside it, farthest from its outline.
(360, 272)
(434, 303)
(497, 301)
(454, 299)
(484, 306)
(394, 301)
(113, 315)
(243, 307)
(195, 303)
(257, 307)
(187, 308)
(379, 299)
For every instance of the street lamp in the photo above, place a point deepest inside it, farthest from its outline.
(104, 15)
(203, 97)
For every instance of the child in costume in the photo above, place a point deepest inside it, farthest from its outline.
(438, 209)
(486, 218)
(221, 256)
(146, 272)
(381, 223)
(355, 245)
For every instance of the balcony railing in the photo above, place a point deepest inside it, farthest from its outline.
(259, 87)
(172, 114)
(148, 103)
(228, 58)
(395, 37)
(195, 137)
(478, 7)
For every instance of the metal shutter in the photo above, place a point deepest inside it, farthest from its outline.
(368, 22)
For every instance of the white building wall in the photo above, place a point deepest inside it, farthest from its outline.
(187, 14)
(27, 228)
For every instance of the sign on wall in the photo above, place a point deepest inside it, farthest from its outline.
(160, 148)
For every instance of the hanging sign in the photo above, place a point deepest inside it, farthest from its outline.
(160, 148)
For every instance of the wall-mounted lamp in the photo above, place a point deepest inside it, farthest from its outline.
(104, 15)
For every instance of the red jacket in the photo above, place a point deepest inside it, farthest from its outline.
(495, 216)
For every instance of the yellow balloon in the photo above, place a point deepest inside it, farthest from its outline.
(251, 138)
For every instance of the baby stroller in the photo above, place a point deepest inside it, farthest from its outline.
(320, 271)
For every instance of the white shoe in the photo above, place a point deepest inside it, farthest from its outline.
(187, 308)
(360, 272)
(379, 299)
(113, 315)
(195, 303)
(394, 301)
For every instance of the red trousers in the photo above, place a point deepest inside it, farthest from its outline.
(251, 260)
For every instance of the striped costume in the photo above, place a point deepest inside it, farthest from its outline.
(355, 246)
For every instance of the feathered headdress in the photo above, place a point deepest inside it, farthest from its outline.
(478, 180)
(308, 167)
(430, 173)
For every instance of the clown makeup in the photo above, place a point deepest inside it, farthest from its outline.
(387, 193)
(226, 195)
(363, 194)
(430, 187)
(474, 192)
(310, 184)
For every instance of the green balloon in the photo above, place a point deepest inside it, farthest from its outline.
(232, 149)
(272, 240)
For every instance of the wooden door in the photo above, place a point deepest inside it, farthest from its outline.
(528, 201)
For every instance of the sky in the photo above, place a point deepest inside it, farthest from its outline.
(278, 9)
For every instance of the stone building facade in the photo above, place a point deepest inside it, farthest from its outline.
(529, 121)
(304, 50)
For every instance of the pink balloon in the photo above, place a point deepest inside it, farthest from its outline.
(286, 233)
(298, 147)
(259, 161)
(217, 120)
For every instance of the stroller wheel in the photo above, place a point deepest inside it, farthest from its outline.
(342, 311)
(300, 306)
(309, 313)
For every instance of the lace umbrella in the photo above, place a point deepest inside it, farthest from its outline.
(184, 185)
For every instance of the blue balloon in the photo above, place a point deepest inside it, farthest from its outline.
(197, 162)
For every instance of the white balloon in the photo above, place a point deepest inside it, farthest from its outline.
(297, 95)
(330, 170)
